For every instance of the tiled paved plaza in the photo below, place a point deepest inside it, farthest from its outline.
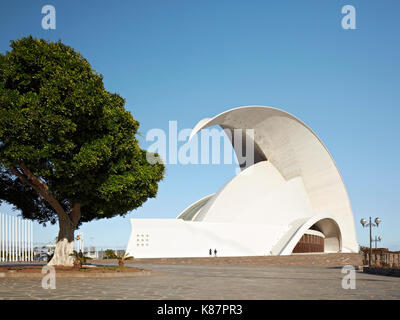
(212, 282)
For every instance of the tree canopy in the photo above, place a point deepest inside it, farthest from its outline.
(65, 141)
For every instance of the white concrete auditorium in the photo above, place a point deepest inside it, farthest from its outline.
(290, 199)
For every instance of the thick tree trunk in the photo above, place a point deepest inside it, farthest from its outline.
(65, 246)
(68, 223)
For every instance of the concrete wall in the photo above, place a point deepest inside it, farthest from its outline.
(178, 238)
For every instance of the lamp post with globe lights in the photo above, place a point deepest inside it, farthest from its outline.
(370, 225)
(376, 240)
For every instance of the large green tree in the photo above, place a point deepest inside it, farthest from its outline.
(68, 150)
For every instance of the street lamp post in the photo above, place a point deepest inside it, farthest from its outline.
(370, 225)
(376, 240)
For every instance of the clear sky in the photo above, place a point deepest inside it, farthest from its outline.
(190, 59)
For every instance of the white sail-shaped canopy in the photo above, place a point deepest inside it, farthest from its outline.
(295, 151)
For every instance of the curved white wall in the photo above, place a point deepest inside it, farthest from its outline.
(161, 238)
(259, 194)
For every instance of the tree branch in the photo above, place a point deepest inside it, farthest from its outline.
(33, 178)
(42, 188)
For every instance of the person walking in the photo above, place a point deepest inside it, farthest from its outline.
(215, 252)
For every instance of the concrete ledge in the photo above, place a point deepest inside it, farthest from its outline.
(392, 272)
(329, 259)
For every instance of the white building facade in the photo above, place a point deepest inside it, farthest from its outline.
(291, 199)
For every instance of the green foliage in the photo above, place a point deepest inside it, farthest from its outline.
(110, 254)
(23, 197)
(122, 258)
(57, 119)
(80, 257)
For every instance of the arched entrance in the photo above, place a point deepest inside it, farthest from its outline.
(323, 236)
(311, 241)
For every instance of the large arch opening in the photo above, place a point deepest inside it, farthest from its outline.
(323, 236)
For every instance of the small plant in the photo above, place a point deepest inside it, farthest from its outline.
(79, 259)
(122, 257)
(110, 254)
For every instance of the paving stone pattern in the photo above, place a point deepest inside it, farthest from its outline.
(202, 282)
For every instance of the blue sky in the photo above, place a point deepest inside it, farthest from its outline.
(186, 60)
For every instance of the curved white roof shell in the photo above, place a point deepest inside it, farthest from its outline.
(295, 151)
(189, 214)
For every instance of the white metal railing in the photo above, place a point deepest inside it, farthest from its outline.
(16, 236)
